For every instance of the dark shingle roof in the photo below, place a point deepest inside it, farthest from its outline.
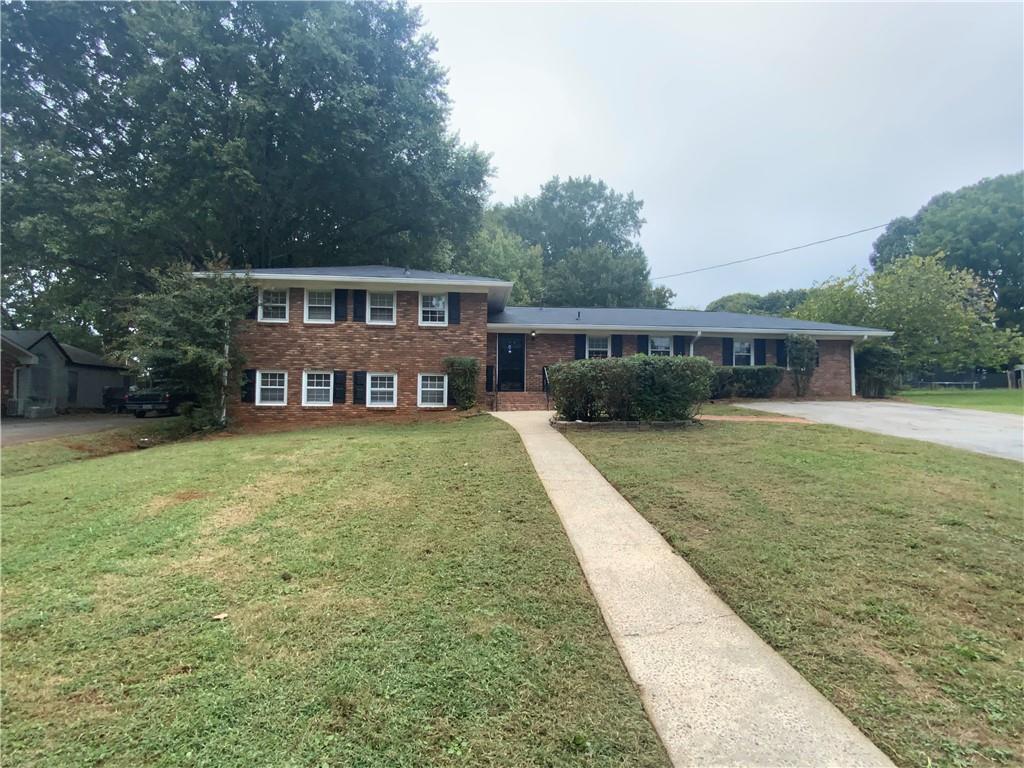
(372, 271)
(24, 339)
(669, 319)
(80, 356)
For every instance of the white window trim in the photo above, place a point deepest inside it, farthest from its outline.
(607, 350)
(394, 308)
(419, 391)
(419, 311)
(259, 389)
(650, 345)
(330, 389)
(369, 375)
(305, 306)
(746, 340)
(287, 308)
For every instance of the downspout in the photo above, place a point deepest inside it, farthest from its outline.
(694, 339)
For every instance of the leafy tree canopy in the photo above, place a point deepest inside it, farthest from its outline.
(777, 303)
(979, 227)
(942, 317)
(137, 135)
(588, 236)
(495, 251)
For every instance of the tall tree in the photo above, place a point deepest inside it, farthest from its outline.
(271, 134)
(494, 251)
(587, 233)
(978, 227)
(776, 303)
(941, 317)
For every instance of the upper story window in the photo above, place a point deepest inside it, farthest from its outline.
(274, 305)
(659, 345)
(433, 309)
(742, 352)
(597, 347)
(382, 309)
(319, 306)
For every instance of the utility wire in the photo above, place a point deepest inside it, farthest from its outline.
(773, 253)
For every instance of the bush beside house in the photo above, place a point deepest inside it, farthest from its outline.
(746, 381)
(635, 388)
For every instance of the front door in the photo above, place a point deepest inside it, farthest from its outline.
(511, 362)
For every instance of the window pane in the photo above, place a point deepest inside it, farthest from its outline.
(433, 308)
(661, 345)
(382, 389)
(597, 346)
(382, 307)
(741, 352)
(275, 305)
(319, 305)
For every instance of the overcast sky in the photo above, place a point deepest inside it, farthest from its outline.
(743, 128)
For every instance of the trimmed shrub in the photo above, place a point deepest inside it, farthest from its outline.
(746, 381)
(636, 388)
(462, 377)
(878, 369)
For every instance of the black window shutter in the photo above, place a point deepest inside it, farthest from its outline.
(359, 387)
(617, 345)
(341, 304)
(679, 345)
(643, 344)
(454, 308)
(727, 350)
(249, 385)
(489, 386)
(359, 306)
(255, 306)
(581, 346)
(339, 387)
(780, 352)
(760, 351)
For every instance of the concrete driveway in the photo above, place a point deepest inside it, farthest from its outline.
(14, 431)
(994, 434)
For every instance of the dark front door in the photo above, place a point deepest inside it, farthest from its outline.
(511, 362)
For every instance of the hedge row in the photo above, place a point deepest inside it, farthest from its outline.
(634, 388)
(746, 381)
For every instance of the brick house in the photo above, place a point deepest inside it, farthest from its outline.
(337, 343)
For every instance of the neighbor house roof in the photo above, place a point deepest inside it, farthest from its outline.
(75, 355)
(667, 320)
(379, 275)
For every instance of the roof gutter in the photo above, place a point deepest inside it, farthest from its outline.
(677, 329)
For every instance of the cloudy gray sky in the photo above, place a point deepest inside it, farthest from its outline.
(743, 128)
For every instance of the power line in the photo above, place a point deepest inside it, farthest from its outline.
(772, 253)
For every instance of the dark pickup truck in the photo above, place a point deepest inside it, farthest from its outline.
(163, 400)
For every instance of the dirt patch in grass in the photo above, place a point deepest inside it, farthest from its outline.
(167, 501)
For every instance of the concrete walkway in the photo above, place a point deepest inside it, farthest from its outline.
(994, 434)
(715, 692)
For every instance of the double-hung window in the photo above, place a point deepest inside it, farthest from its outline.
(742, 352)
(272, 388)
(274, 305)
(382, 309)
(319, 306)
(659, 345)
(433, 309)
(317, 387)
(597, 346)
(381, 390)
(432, 390)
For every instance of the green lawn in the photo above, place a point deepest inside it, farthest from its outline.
(998, 400)
(887, 571)
(357, 596)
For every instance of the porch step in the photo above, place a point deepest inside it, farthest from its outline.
(521, 401)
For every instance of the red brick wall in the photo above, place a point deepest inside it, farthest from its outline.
(831, 379)
(404, 348)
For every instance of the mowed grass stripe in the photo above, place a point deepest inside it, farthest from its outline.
(887, 571)
(395, 596)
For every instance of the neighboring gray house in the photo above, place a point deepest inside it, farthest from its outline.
(42, 377)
